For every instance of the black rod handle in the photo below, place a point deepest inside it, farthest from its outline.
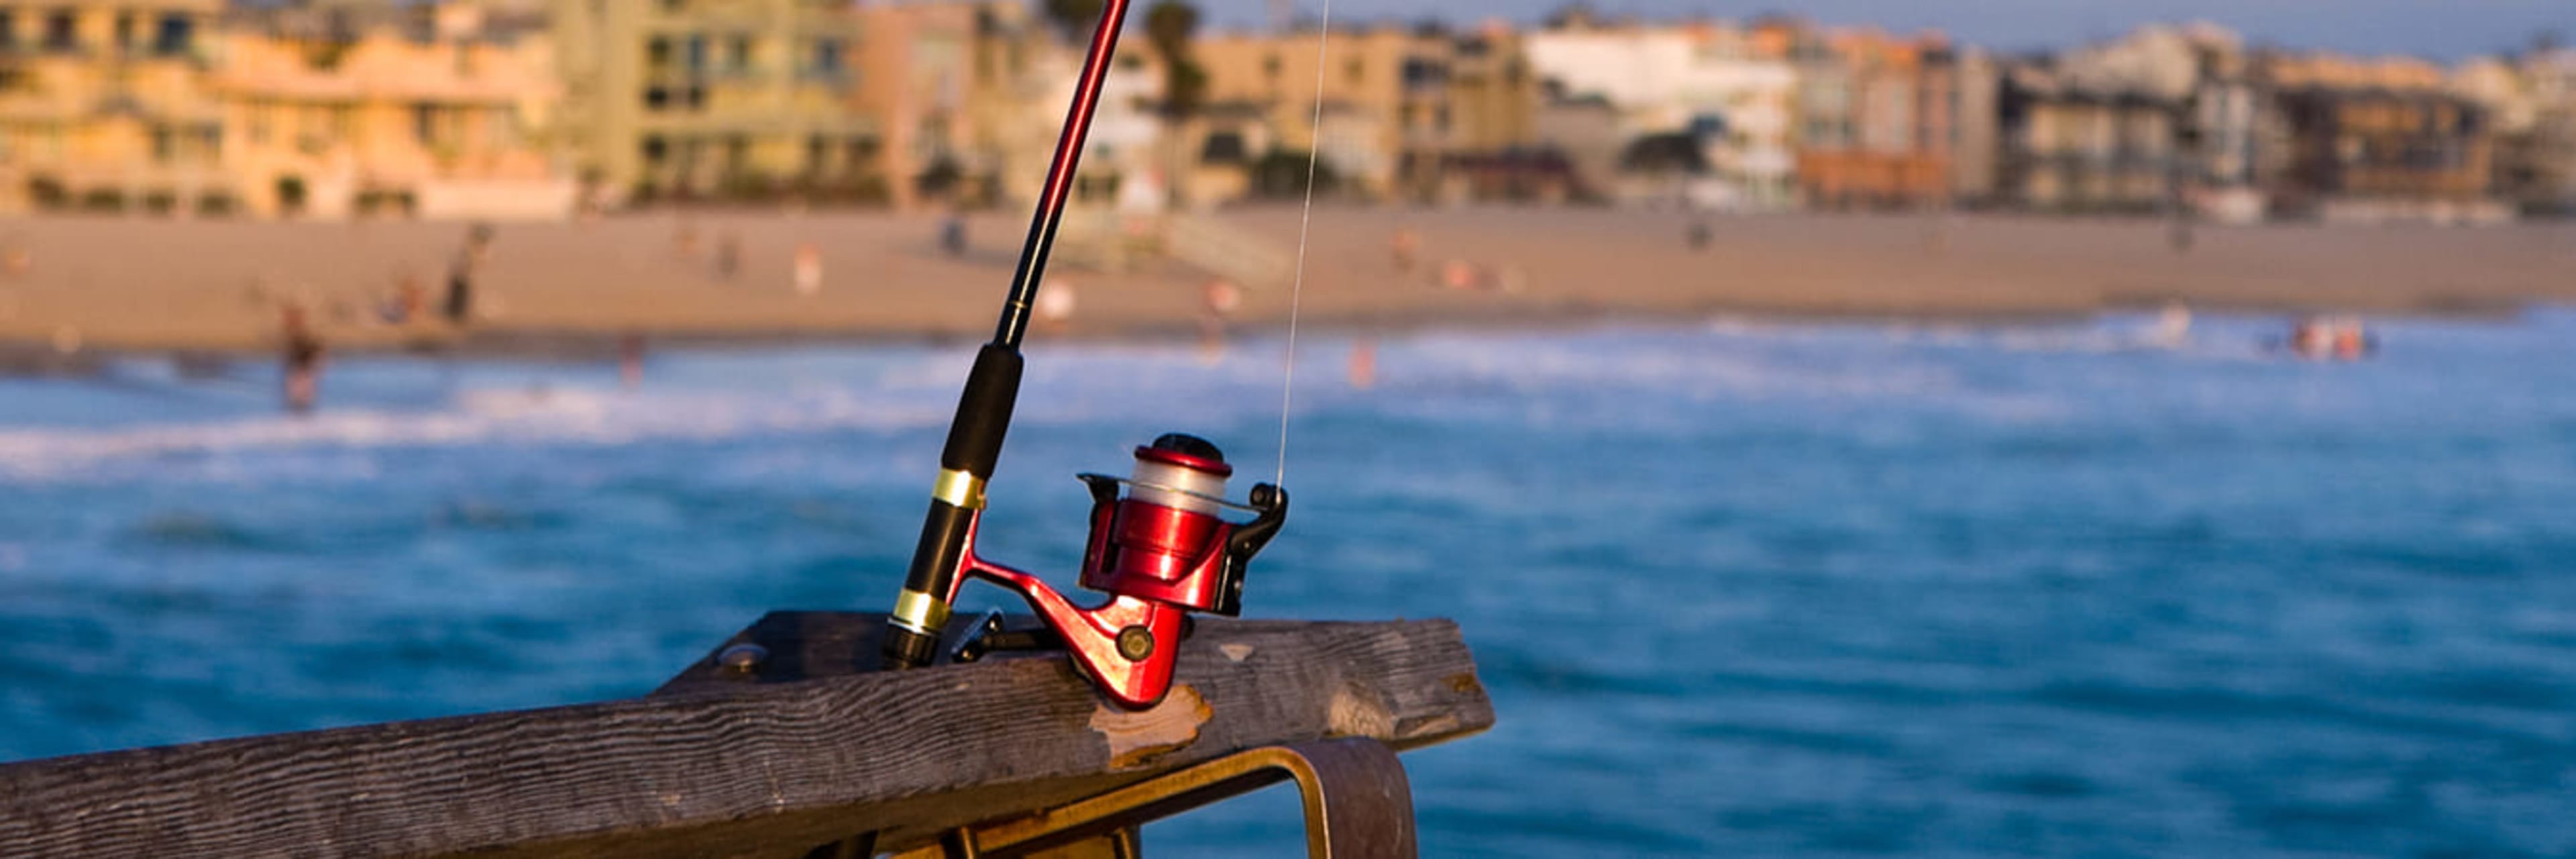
(957, 501)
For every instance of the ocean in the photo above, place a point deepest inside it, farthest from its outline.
(1737, 587)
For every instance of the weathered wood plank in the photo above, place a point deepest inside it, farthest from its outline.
(757, 769)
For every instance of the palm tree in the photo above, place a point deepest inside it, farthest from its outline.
(1169, 27)
(1072, 17)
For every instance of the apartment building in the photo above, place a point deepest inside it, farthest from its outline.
(698, 98)
(1890, 120)
(441, 110)
(942, 80)
(1731, 91)
(1404, 109)
(2378, 140)
(103, 106)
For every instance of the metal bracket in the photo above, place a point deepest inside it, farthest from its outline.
(1358, 805)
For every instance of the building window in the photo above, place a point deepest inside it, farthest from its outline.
(827, 56)
(697, 53)
(1355, 71)
(424, 123)
(657, 53)
(858, 153)
(8, 29)
(657, 98)
(176, 35)
(738, 54)
(1270, 66)
(124, 31)
(655, 149)
(737, 157)
(62, 31)
(1422, 73)
(818, 155)
(165, 145)
(1224, 147)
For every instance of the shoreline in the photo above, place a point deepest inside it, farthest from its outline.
(575, 291)
(21, 359)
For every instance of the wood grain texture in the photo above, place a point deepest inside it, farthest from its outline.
(746, 769)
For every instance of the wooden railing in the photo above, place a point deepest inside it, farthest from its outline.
(780, 743)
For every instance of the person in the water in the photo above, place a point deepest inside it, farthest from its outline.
(302, 359)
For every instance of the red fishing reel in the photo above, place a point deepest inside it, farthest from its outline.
(1160, 551)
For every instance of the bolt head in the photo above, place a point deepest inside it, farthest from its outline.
(742, 658)
(1135, 643)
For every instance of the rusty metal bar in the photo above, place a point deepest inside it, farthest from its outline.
(1358, 804)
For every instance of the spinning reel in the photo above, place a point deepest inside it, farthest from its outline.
(1160, 551)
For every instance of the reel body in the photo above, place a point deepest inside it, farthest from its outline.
(1160, 551)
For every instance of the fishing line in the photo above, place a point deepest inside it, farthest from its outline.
(1305, 223)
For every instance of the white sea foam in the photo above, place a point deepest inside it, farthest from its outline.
(474, 416)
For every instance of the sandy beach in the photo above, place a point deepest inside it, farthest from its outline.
(139, 284)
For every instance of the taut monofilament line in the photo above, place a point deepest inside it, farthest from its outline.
(1305, 225)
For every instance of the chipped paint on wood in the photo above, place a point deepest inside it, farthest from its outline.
(1358, 711)
(1136, 739)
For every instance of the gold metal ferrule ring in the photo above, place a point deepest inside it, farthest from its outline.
(959, 489)
(920, 612)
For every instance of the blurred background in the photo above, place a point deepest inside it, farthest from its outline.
(1934, 428)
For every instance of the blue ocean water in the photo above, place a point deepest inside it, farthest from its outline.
(1736, 588)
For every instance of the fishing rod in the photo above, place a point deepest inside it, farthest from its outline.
(1160, 551)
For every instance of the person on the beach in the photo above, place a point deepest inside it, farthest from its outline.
(809, 270)
(952, 233)
(1221, 297)
(406, 302)
(1458, 274)
(728, 255)
(1700, 234)
(1055, 306)
(1402, 247)
(302, 359)
(684, 239)
(462, 272)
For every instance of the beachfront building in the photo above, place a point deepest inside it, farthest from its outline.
(1889, 120)
(2550, 185)
(439, 110)
(2377, 140)
(715, 98)
(104, 106)
(1724, 88)
(2530, 104)
(2070, 147)
(2150, 122)
(1406, 111)
(940, 80)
